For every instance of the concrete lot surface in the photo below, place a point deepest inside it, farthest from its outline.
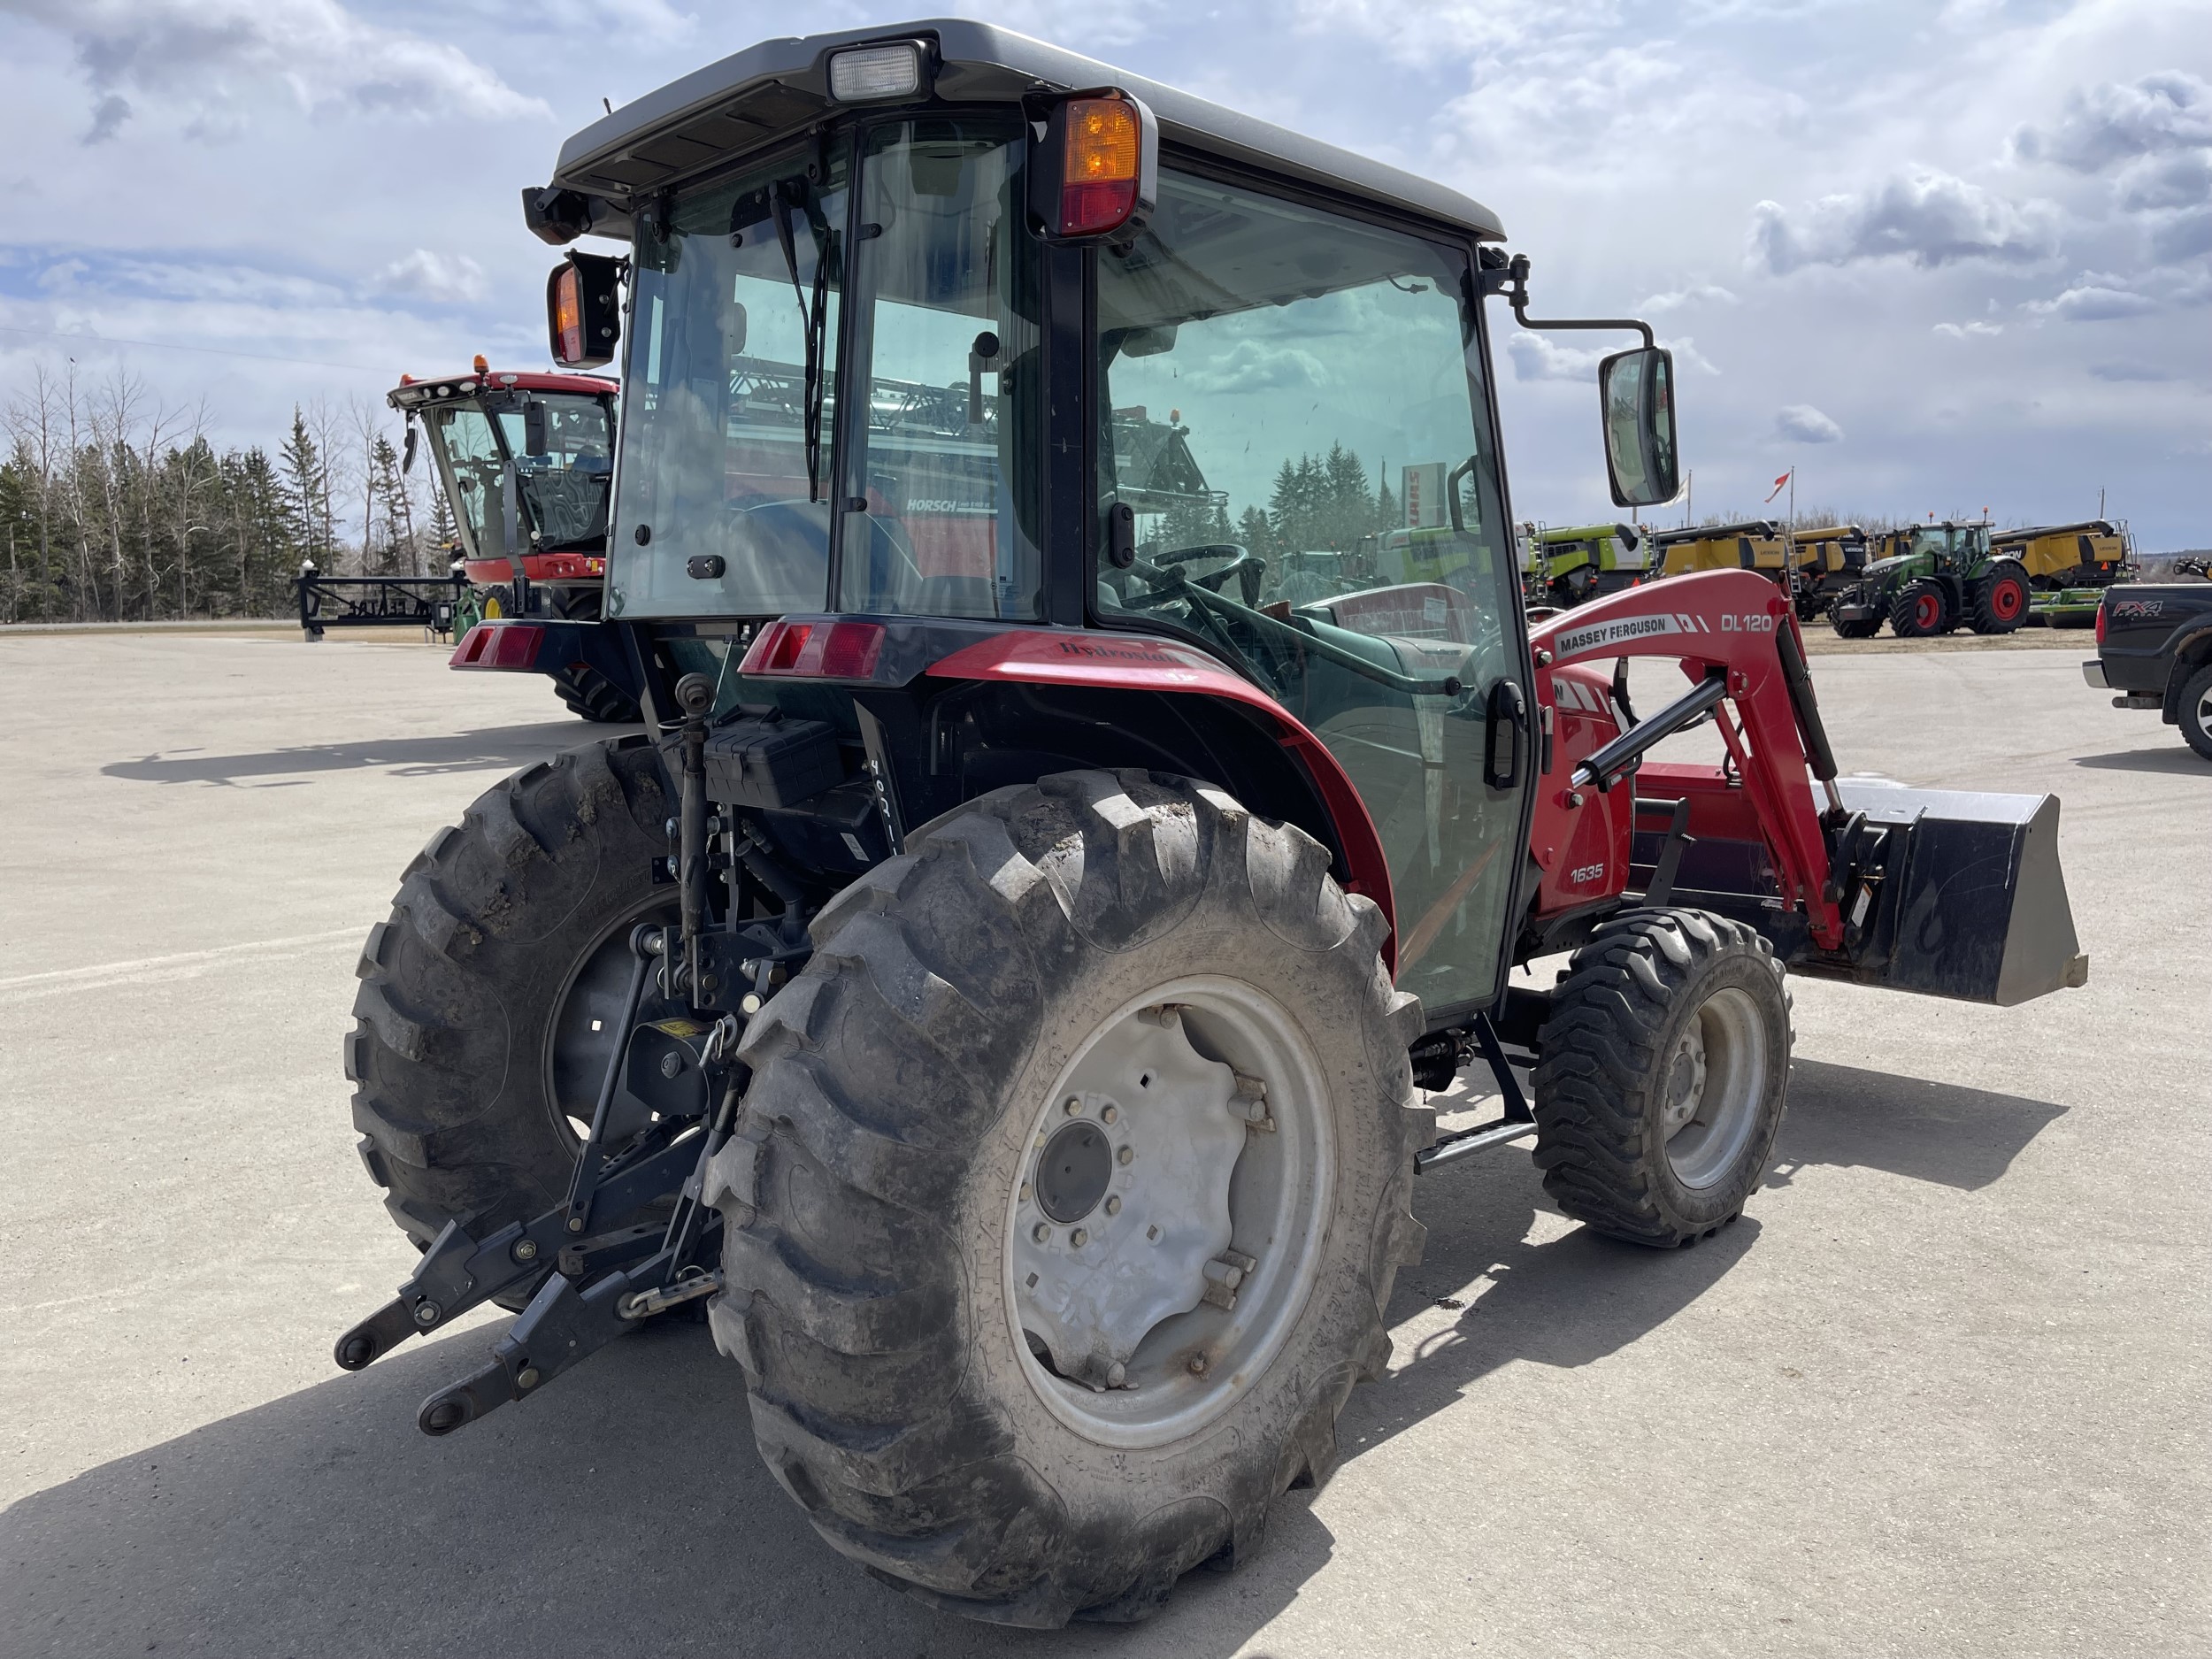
(1942, 1391)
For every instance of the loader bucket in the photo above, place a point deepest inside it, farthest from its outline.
(1960, 896)
(1967, 901)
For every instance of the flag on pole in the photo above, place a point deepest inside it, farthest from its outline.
(1779, 483)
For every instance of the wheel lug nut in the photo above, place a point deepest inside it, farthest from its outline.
(1078, 1238)
(1024, 1197)
(1042, 1233)
(1198, 1364)
(1124, 1155)
(1117, 1374)
(1109, 1115)
(1074, 1107)
(1113, 1206)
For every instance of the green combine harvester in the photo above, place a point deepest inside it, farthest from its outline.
(1932, 579)
(1567, 567)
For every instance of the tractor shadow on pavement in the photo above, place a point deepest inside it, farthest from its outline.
(625, 1510)
(496, 748)
(1965, 1138)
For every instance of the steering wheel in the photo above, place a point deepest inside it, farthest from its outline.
(1238, 561)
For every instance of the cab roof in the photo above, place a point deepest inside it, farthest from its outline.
(767, 91)
(413, 391)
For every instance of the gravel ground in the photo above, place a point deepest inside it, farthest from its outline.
(1943, 1391)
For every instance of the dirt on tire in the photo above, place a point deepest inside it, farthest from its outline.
(448, 1054)
(866, 1195)
(1615, 1017)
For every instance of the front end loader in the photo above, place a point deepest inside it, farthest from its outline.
(1001, 985)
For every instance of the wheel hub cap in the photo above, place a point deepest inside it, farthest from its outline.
(1125, 1204)
(1685, 1078)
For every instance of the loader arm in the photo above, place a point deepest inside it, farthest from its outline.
(1735, 629)
(1942, 892)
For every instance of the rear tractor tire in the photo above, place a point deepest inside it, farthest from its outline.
(590, 693)
(1068, 1192)
(476, 1051)
(1999, 600)
(1664, 1074)
(1921, 610)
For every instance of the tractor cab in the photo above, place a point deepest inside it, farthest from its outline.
(1086, 375)
(525, 462)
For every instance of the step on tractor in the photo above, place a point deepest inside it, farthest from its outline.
(1827, 560)
(1564, 567)
(525, 462)
(2068, 566)
(1932, 579)
(1002, 986)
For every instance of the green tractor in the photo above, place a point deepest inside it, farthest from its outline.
(1931, 579)
(1565, 567)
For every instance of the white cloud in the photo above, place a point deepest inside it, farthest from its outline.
(1540, 357)
(1250, 366)
(212, 58)
(2110, 122)
(2093, 300)
(442, 278)
(1696, 293)
(1802, 423)
(1973, 330)
(1922, 215)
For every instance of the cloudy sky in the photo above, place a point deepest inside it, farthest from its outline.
(1938, 255)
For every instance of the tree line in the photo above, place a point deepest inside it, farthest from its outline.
(117, 508)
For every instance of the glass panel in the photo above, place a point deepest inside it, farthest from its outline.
(468, 455)
(1292, 410)
(948, 342)
(565, 485)
(732, 347)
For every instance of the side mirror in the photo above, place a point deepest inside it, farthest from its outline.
(534, 441)
(583, 310)
(407, 456)
(1636, 399)
(1096, 170)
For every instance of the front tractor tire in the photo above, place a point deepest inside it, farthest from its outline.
(1998, 602)
(1664, 1074)
(1920, 611)
(488, 1000)
(1068, 1192)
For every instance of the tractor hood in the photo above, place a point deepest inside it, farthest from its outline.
(1882, 567)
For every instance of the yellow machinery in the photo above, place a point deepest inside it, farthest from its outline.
(1827, 560)
(1758, 545)
(2086, 554)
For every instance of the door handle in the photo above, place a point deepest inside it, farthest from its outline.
(1505, 737)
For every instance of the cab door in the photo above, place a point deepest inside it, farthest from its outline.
(1320, 379)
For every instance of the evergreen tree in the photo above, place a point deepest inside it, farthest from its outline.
(306, 493)
(392, 551)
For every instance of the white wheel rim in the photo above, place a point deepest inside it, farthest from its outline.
(1712, 1088)
(1134, 1354)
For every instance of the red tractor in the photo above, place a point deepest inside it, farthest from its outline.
(1001, 984)
(526, 464)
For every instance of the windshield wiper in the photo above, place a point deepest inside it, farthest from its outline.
(812, 316)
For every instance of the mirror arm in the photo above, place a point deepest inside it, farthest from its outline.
(1515, 291)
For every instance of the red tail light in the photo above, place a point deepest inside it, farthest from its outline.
(510, 646)
(2101, 621)
(815, 650)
